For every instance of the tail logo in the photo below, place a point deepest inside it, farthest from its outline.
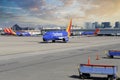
(69, 28)
(9, 31)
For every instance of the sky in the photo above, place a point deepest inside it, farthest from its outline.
(59, 11)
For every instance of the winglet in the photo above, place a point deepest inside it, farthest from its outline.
(68, 29)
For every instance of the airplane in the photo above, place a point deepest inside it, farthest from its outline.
(9, 31)
(91, 33)
(58, 35)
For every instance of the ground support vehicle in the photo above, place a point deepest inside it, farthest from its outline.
(112, 53)
(86, 69)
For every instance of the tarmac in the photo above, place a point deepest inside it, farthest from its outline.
(29, 58)
(18, 45)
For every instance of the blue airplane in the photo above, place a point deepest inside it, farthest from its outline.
(19, 33)
(93, 33)
(58, 35)
(9, 31)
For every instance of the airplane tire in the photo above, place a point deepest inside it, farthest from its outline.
(44, 40)
(53, 40)
(64, 40)
(111, 56)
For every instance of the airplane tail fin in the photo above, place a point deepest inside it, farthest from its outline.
(97, 31)
(12, 32)
(68, 29)
(9, 31)
(6, 30)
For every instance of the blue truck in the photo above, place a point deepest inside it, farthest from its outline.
(86, 69)
(112, 53)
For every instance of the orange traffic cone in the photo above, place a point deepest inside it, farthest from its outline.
(88, 60)
(97, 57)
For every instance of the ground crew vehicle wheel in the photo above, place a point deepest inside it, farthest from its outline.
(87, 75)
(84, 75)
(110, 77)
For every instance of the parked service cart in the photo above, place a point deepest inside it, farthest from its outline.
(86, 69)
(112, 53)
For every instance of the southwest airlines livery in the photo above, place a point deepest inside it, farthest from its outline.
(10, 31)
(58, 35)
(91, 33)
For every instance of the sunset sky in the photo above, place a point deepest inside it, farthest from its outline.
(59, 11)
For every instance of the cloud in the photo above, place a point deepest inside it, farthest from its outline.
(59, 11)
